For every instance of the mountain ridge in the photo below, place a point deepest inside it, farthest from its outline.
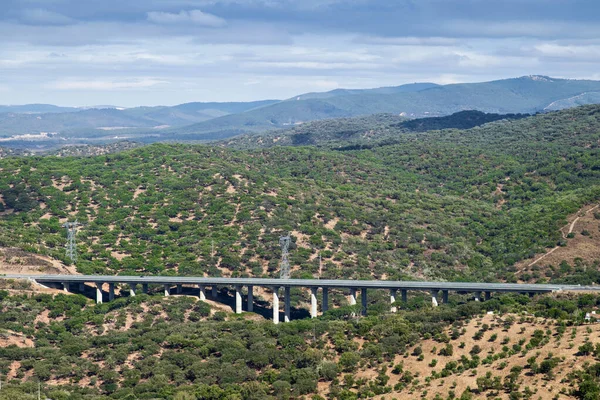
(217, 121)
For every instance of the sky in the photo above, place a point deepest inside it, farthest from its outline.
(165, 52)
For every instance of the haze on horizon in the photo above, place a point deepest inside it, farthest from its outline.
(167, 52)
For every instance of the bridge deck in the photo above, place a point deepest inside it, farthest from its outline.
(323, 283)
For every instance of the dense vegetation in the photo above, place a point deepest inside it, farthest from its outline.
(336, 132)
(459, 120)
(443, 204)
(149, 347)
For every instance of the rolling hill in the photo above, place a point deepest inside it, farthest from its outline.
(361, 131)
(33, 119)
(216, 121)
(452, 204)
(528, 94)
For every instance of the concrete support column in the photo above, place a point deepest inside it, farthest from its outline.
(179, 288)
(145, 288)
(488, 295)
(214, 292)
(65, 286)
(363, 299)
(275, 305)
(202, 294)
(167, 290)
(393, 300)
(81, 287)
(434, 301)
(352, 296)
(404, 295)
(99, 293)
(287, 307)
(111, 291)
(477, 296)
(250, 298)
(238, 299)
(325, 305)
(445, 296)
(132, 289)
(313, 302)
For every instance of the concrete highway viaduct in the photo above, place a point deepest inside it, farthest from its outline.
(352, 286)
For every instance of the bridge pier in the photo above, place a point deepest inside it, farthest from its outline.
(145, 288)
(488, 295)
(325, 305)
(179, 288)
(445, 296)
(65, 286)
(202, 292)
(287, 308)
(363, 299)
(393, 300)
(167, 290)
(99, 293)
(313, 302)
(352, 296)
(477, 296)
(238, 299)
(434, 301)
(132, 287)
(404, 295)
(214, 292)
(82, 288)
(250, 298)
(111, 291)
(275, 305)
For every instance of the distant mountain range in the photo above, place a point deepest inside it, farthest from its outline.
(36, 118)
(211, 121)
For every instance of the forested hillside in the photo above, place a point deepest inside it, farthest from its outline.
(453, 204)
(178, 348)
(338, 132)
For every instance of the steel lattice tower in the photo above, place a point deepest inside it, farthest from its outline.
(71, 251)
(284, 242)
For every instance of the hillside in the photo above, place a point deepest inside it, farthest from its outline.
(453, 204)
(527, 95)
(180, 348)
(361, 131)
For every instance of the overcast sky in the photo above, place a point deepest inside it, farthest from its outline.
(149, 52)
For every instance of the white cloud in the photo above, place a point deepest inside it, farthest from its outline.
(81, 84)
(39, 16)
(588, 53)
(407, 41)
(193, 16)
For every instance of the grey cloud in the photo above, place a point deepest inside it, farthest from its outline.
(44, 17)
(250, 49)
(193, 16)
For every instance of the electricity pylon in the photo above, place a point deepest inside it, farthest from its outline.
(71, 251)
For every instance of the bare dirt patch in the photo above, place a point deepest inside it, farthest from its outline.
(585, 244)
(8, 338)
(17, 261)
